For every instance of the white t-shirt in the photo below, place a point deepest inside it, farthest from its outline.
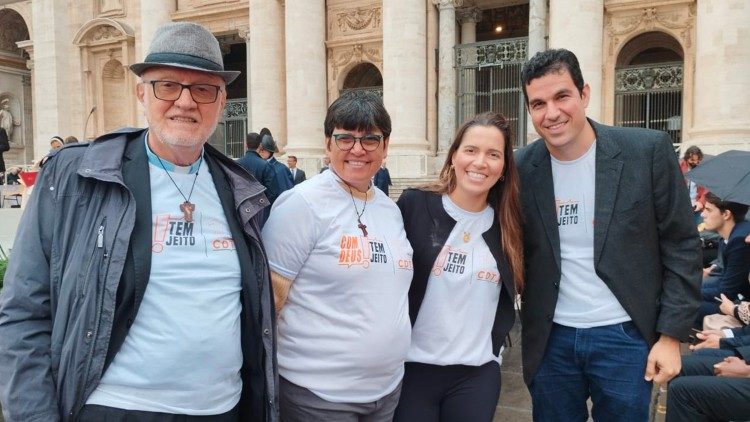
(584, 300)
(183, 352)
(344, 330)
(455, 320)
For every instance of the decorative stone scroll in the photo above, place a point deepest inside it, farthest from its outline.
(442, 4)
(469, 14)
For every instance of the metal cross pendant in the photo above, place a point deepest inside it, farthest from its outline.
(187, 209)
(363, 228)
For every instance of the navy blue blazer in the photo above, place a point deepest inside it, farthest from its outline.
(735, 255)
(428, 227)
(646, 245)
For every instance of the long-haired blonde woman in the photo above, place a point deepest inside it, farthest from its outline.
(468, 264)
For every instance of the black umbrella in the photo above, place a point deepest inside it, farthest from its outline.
(727, 176)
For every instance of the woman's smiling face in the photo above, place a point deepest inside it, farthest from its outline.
(478, 164)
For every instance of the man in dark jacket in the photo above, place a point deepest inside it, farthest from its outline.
(383, 179)
(258, 167)
(611, 253)
(138, 288)
(266, 150)
(4, 147)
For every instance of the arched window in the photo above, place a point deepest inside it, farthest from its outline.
(364, 77)
(648, 84)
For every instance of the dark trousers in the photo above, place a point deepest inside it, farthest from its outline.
(96, 413)
(698, 395)
(432, 393)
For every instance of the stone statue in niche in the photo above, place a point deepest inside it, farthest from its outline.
(7, 121)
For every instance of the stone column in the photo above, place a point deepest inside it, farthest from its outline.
(469, 17)
(722, 66)
(537, 43)
(154, 13)
(405, 84)
(267, 93)
(447, 73)
(537, 26)
(52, 70)
(584, 37)
(432, 78)
(306, 81)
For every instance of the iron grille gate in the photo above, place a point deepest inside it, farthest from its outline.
(489, 79)
(230, 133)
(650, 96)
(377, 90)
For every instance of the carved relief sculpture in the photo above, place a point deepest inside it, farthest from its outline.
(359, 19)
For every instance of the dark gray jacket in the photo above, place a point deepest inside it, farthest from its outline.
(80, 248)
(646, 246)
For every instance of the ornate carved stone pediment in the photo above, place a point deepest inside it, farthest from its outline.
(103, 31)
(346, 56)
(623, 22)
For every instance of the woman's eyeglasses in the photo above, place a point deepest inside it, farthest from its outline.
(346, 141)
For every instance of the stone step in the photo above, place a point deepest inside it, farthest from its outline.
(399, 184)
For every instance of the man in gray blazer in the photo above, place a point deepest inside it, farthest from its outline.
(612, 255)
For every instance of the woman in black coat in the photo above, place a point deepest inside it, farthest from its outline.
(468, 265)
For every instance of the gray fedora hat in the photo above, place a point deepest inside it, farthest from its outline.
(267, 142)
(185, 45)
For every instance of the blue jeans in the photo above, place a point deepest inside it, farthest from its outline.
(605, 363)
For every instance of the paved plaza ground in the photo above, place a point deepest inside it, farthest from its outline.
(515, 402)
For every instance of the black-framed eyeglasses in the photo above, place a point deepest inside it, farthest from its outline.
(346, 141)
(171, 91)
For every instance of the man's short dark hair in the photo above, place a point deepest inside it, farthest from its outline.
(738, 210)
(252, 141)
(693, 150)
(358, 110)
(292, 157)
(548, 61)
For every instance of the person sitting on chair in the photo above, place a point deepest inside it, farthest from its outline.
(728, 219)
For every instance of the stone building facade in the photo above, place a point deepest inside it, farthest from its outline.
(675, 65)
